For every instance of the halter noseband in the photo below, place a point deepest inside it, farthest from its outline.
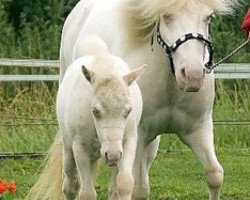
(171, 49)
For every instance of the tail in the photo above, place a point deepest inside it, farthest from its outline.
(49, 184)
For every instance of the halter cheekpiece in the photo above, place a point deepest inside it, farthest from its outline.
(170, 49)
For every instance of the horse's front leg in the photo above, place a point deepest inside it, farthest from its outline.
(145, 155)
(85, 166)
(201, 142)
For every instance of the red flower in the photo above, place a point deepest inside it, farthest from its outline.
(5, 186)
(246, 23)
(12, 187)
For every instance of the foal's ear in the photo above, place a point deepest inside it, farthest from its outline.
(89, 75)
(133, 75)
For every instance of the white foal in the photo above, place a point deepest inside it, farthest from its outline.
(98, 107)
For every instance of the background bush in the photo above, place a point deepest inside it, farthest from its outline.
(31, 29)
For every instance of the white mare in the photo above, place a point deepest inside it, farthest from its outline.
(98, 110)
(180, 103)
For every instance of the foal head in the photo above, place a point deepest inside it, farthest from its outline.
(111, 107)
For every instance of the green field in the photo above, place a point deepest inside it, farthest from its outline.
(174, 175)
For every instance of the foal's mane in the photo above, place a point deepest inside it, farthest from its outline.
(142, 15)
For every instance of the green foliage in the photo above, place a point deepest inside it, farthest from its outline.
(227, 34)
(7, 35)
(31, 29)
(35, 27)
(173, 176)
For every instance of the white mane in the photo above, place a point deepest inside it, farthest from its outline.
(142, 15)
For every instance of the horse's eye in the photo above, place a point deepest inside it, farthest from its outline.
(96, 113)
(167, 18)
(127, 113)
(208, 19)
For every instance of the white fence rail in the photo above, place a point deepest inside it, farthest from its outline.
(28, 62)
(224, 71)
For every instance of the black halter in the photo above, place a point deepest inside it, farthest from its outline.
(171, 49)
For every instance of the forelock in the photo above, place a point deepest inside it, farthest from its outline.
(111, 91)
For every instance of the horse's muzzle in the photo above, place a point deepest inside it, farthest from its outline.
(191, 81)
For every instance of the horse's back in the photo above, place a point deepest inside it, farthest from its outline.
(71, 30)
(78, 25)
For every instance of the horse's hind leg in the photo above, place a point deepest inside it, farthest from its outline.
(70, 178)
(201, 142)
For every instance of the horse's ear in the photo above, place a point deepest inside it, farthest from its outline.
(89, 75)
(133, 75)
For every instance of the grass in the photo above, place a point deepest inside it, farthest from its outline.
(176, 173)
(180, 178)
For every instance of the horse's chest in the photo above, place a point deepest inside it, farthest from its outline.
(92, 146)
(171, 117)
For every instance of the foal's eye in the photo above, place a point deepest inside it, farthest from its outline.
(96, 112)
(127, 113)
(167, 18)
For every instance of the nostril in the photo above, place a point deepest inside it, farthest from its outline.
(183, 73)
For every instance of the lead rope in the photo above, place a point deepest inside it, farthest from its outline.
(229, 55)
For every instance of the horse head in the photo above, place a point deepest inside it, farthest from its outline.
(111, 107)
(184, 34)
(182, 31)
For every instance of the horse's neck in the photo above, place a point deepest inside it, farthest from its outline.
(137, 20)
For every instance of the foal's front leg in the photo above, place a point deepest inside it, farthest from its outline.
(112, 191)
(85, 167)
(125, 179)
(201, 142)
